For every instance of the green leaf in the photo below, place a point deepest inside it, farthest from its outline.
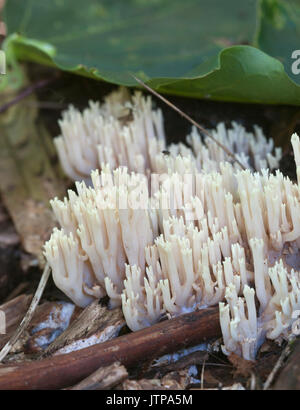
(180, 47)
(246, 74)
(279, 31)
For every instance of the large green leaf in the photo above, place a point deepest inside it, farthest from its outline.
(180, 47)
(279, 31)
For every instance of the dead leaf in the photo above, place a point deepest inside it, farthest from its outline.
(28, 177)
(242, 367)
(171, 381)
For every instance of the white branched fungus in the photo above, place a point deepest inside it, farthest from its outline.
(185, 230)
(141, 298)
(106, 226)
(102, 135)
(126, 131)
(71, 270)
(244, 330)
(238, 320)
(253, 150)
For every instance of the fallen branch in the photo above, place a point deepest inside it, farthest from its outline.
(27, 318)
(62, 371)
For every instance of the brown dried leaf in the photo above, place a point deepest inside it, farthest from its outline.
(209, 378)
(171, 381)
(242, 367)
(143, 384)
(176, 380)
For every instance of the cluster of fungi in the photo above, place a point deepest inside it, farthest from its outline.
(167, 229)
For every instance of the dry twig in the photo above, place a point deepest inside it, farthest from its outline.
(28, 91)
(289, 378)
(27, 318)
(285, 353)
(187, 117)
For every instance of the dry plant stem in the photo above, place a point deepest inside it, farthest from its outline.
(103, 378)
(289, 378)
(29, 90)
(187, 117)
(27, 318)
(202, 374)
(277, 366)
(62, 371)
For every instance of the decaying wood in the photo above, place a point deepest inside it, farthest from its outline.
(96, 324)
(67, 370)
(103, 378)
(14, 311)
(49, 320)
(29, 314)
(195, 358)
(289, 377)
(142, 384)
(28, 176)
(171, 381)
